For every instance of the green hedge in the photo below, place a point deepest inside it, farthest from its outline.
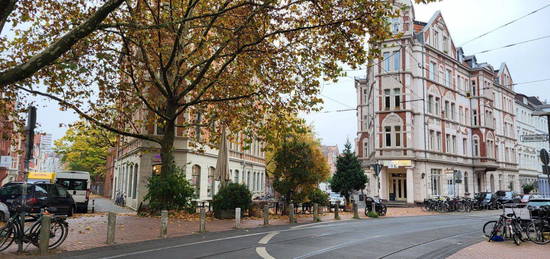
(231, 196)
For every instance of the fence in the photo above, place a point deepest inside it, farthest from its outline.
(543, 187)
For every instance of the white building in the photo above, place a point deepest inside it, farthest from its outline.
(138, 160)
(438, 121)
(530, 166)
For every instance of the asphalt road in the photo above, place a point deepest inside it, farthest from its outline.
(401, 237)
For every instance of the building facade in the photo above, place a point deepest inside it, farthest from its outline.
(331, 153)
(439, 122)
(529, 164)
(137, 160)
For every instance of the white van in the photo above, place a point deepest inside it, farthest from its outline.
(78, 185)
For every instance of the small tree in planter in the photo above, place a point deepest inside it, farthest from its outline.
(528, 187)
(229, 197)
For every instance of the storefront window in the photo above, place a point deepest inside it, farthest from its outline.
(436, 182)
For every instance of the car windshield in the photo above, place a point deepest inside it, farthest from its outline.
(488, 196)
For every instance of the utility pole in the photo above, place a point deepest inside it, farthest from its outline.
(29, 134)
(544, 110)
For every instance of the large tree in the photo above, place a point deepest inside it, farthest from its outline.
(349, 175)
(205, 65)
(85, 147)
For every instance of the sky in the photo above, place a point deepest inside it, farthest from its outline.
(465, 20)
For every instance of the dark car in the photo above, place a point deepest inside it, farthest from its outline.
(39, 195)
(504, 197)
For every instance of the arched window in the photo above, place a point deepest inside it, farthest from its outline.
(492, 183)
(134, 191)
(236, 176)
(392, 131)
(466, 187)
(196, 178)
(490, 146)
(500, 182)
(476, 146)
(211, 171)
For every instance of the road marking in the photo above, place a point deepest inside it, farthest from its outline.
(268, 237)
(262, 252)
(328, 249)
(204, 242)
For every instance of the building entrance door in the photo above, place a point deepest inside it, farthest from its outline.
(398, 187)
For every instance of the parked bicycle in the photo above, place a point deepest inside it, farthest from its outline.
(539, 227)
(13, 231)
(120, 199)
(509, 225)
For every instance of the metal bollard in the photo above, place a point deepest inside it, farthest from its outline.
(164, 224)
(266, 214)
(111, 228)
(202, 227)
(355, 210)
(291, 218)
(93, 206)
(336, 209)
(45, 234)
(237, 217)
(316, 217)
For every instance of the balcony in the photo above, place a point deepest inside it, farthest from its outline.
(489, 164)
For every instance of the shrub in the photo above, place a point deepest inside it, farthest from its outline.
(231, 196)
(319, 197)
(372, 214)
(171, 192)
(528, 187)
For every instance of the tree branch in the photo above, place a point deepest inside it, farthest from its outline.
(6, 8)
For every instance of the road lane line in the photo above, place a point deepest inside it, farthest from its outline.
(262, 252)
(268, 237)
(328, 249)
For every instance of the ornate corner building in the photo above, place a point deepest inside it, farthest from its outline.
(438, 121)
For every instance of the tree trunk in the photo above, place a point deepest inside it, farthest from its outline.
(167, 147)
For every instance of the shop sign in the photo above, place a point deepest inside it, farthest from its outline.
(5, 161)
(396, 163)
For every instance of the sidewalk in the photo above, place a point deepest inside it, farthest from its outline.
(503, 250)
(89, 230)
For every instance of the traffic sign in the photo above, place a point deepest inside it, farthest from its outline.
(376, 168)
(534, 138)
(544, 156)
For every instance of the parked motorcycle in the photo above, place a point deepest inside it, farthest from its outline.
(375, 204)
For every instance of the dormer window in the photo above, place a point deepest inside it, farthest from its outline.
(395, 25)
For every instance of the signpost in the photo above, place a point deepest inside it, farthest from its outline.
(534, 138)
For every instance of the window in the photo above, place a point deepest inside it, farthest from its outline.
(447, 111)
(366, 148)
(436, 181)
(73, 184)
(396, 60)
(211, 171)
(430, 103)
(387, 99)
(448, 143)
(237, 176)
(387, 130)
(397, 97)
(397, 136)
(387, 61)
(464, 146)
(436, 39)
(438, 139)
(445, 44)
(500, 182)
(448, 78)
(432, 140)
(248, 176)
(196, 179)
(475, 116)
(395, 25)
(453, 107)
(454, 144)
(433, 70)
(159, 127)
(134, 192)
(476, 146)
(466, 187)
(437, 111)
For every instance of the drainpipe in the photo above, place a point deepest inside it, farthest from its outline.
(424, 119)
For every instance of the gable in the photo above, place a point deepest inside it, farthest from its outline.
(504, 78)
(437, 35)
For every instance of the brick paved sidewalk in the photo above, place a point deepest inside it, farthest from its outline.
(503, 250)
(89, 230)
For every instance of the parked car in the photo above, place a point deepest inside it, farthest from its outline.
(486, 200)
(78, 185)
(504, 197)
(334, 197)
(525, 198)
(39, 195)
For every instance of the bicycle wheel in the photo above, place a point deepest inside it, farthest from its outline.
(7, 235)
(536, 234)
(59, 231)
(488, 228)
